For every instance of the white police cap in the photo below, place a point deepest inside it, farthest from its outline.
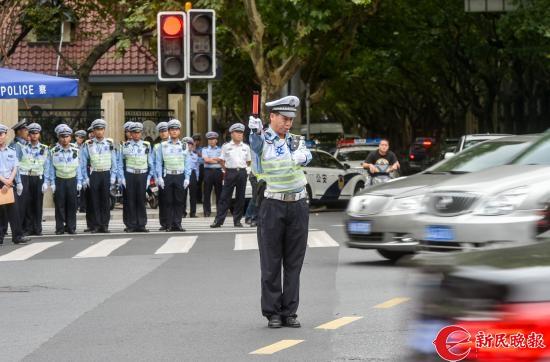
(136, 127)
(236, 127)
(286, 106)
(3, 129)
(34, 127)
(210, 135)
(63, 129)
(162, 126)
(174, 123)
(127, 126)
(20, 124)
(80, 133)
(99, 123)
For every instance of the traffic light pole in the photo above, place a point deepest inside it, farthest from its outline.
(209, 106)
(188, 108)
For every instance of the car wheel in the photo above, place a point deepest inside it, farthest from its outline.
(358, 188)
(393, 255)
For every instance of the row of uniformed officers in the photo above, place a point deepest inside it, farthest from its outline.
(93, 166)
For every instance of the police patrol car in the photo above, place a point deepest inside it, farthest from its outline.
(330, 180)
(355, 151)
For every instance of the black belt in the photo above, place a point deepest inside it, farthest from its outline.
(237, 169)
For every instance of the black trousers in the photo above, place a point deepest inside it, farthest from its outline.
(65, 204)
(9, 213)
(282, 240)
(22, 201)
(163, 213)
(213, 178)
(100, 212)
(234, 179)
(33, 202)
(136, 215)
(200, 184)
(89, 208)
(173, 199)
(192, 192)
(125, 205)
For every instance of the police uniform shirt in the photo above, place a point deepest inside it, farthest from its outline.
(63, 156)
(100, 147)
(17, 144)
(211, 152)
(170, 146)
(194, 161)
(235, 155)
(8, 161)
(34, 152)
(135, 149)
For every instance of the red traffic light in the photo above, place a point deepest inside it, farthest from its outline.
(172, 25)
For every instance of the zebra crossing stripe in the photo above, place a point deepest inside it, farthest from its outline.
(101, 249)
(28, 251)
(177, 245)
(246, 242)
(321, 239)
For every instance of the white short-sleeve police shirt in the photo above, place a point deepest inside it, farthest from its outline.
(236, 155)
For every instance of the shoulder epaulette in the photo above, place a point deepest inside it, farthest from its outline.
(12, 146)
(147, 143)
(110, 140)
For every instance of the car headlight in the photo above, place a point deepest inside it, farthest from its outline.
(411, 203)
(504, 202)
(356, 203)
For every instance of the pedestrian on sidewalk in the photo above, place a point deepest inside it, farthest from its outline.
(100, 155)
(235, 159)
(135, 172)
(162, 129)
(213, 176)
(173, 171)
(8, 180)
(283, 216)
(64, 176)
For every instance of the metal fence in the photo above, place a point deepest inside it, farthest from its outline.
(153, 115)
(49, 118)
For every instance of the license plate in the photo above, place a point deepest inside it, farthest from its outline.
(439, 233)
(154, 189)
(359, 227)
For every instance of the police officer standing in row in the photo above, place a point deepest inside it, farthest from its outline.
(284, 213)
(213, 176)
(162, 129)
(194, 161)
(32, 162)
(99, 153)
(64, 177)
(120, 162)
(8, 178)
(134, 172)
(173, 175)
(235, 158)
(19, 142)
(80, 139)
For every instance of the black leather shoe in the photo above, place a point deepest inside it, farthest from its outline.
(72, 232)
(130, 230)
(59, 232)
(94, 231)
(291, 322)
(253, 224)
(275, 322)
(142, 230)
(193, 216)
(216, 225)
(37, 233)
(178, 228)
(88, 230)
(238, 225)
(104, 230)
(162, 228)
(22, 240)
(247, 221)
(1, 241)
(206, 214)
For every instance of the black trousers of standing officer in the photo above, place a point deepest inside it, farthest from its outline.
(9, 214)
(34, 199)
(213, 178)
(100, 184)
(22, 202)
(282, 240)
(135, 198)
(192, 191)
(235, 178)
(65, 205)
(173, 199)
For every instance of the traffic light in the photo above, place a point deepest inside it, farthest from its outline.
(201, 30)
(171, 45)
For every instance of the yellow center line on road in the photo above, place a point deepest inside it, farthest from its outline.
(391, 303)
(278, 346)
(337, 323)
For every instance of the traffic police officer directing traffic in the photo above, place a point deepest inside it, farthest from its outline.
(134, 172)
(65, 179)
(99, 153)
(283, 216)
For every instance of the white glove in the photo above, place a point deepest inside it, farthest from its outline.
(123, 183)
(160, 182)
(19, 189)
(113, 181)
(148, 182)
(255, 123)
(185, 183)
(44, 187)
(299, 158)
(52, 186)
(78, 187)
(86, 184)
